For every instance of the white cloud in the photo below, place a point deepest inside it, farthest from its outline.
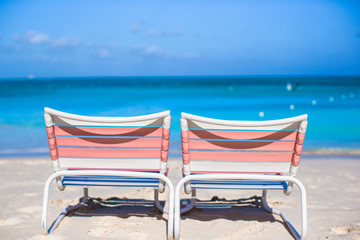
(152, 50)
(33, 37)
(67, 41)
(155, 50)
(153, 33)
(135, 27)
(101, 50)
(104, 53)
(148, 50)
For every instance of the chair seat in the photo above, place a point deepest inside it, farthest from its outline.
(110, 181)
(238, 184)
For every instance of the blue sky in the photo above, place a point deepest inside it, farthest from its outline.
(161, 38)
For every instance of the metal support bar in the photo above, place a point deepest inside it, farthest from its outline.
(245, 177)
(191, 204)
(162, 177)
(65, 212)
(281, 214)
(157, 202)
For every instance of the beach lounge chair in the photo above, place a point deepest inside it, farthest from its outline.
(221, 154)
(108, 151)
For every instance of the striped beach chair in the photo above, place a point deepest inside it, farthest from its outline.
(221, 154)
(108, 151)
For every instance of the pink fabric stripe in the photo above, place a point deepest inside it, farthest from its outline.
(295, 160)
(118, 169)
(54, 154)
(165, 133)
(242, 135)
(300, 138)
(185, 147)
(186, 158)
(108, 131)
(52, 143)
(298, 149)
(225, 172)
(213, 145)
(185, 136)
(164, 156)
(108, 142)
(165, 145)
(109, 153)
(242, 156)
(50, 132)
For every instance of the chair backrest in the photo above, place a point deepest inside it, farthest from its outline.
(222, 146)
(138, 143)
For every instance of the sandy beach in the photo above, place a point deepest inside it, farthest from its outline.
(332, 185)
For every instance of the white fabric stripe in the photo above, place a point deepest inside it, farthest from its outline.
(67, 121)
(110, 163)
(218, 186)
(228, 166)
(82, 183)
(236, 182)
(244, 123)
(54, 112)
(205, 125)
(114, 179)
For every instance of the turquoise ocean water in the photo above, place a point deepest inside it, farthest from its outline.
(333, 105)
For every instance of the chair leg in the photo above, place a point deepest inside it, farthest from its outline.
(157, 202)
(61, 216)
(170, 226)
(191, 204)
(284, 217)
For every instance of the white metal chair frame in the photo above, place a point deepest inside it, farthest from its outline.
(58, 173)
(290, 178)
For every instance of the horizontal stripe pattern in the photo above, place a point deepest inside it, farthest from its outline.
(112, 184)
(126, 164)
(207, 125)
(241, 145)
(242, 135)
(108, 131)
(110, 181)
(251, 148)
(204, 166)
(238, 184)
(213, 146)
(72, 121)
(83, 143)
(242, 156)
(109, 153)
(108, 142)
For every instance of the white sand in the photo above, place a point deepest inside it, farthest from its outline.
(333, 207)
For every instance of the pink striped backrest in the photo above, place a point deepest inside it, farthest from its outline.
(221, 146)
(123, 143)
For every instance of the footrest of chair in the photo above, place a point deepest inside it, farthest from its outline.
(110, 181)
(237, 184)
